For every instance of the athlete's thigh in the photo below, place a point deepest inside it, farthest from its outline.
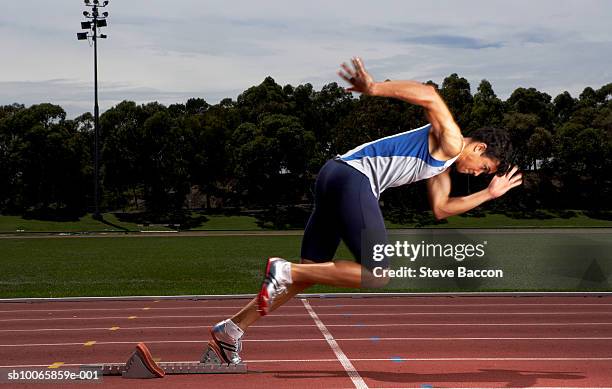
(321, 236)
(362, 224)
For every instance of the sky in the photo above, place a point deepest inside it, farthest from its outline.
(170, 51)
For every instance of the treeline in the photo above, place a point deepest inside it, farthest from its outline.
(264, 149)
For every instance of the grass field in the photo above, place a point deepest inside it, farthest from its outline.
(113, 266)
(13, 224)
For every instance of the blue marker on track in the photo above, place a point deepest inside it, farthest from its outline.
(398, 359)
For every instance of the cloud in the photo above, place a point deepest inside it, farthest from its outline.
(454, 41)
(77, 97)
(172, 51)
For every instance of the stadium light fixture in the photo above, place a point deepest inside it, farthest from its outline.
(94, 25)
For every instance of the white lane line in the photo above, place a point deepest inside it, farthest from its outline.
(359, 325)
(346, 363)
(334, 360)
(326, 339)
(118, 329)
(473, 338)
(510, 387)
(435, 359)
(134, 309)
(348, 314)
(312, 295)
(339, 305)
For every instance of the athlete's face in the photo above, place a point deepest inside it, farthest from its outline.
(473, 161)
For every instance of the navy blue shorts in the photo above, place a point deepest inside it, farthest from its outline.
(345, 208)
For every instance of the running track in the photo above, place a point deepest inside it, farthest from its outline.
(400, 342)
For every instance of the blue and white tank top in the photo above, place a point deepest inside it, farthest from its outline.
(396, 160)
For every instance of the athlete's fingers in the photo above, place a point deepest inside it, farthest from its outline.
(360, 66)
(348, 70)
(516, 177)
(345, 77)
(512, 171)
(355, 64)
(515, 184)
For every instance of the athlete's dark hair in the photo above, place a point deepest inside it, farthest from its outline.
(498, 144)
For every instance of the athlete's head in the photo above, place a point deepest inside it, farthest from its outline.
(487, 150)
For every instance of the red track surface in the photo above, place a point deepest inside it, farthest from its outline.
(408, 342)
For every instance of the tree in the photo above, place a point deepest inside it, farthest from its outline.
(539, 146)
(45, 155)
(457, 95)
(271, 159)
(582, 160)
(196, 106)
(531, 102)
(487, 109)
(210, 159)
(564, 105)
(165, 163)
(122, 163)
(265, 98)
(520, 127)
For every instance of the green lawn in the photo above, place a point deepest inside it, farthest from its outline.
(83, 224)
(492, 220)
(226, 223)
(13, 224)
(112, 266)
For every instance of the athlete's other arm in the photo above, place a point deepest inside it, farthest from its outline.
(443, 206)
(445, 130)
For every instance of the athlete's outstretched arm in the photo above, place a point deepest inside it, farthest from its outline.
(443, 206)
(447, 132)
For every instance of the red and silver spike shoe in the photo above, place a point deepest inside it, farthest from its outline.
(275, 282)
(226, 347)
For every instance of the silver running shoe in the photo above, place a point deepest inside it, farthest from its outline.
(226, 347)
(275, 283)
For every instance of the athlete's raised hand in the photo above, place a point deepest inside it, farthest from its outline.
(357, 76)
(501, 184)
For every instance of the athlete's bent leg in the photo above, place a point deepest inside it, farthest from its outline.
(338, 273)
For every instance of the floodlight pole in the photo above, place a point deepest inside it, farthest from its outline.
(96, 215)
(97, 21)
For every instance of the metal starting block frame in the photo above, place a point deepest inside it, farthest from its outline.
(135, 367)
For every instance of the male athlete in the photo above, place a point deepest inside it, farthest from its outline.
(346, 199)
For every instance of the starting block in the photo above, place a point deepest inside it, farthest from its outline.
(141, 365)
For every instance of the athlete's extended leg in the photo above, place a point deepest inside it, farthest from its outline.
(250, 314)
(338, 273)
